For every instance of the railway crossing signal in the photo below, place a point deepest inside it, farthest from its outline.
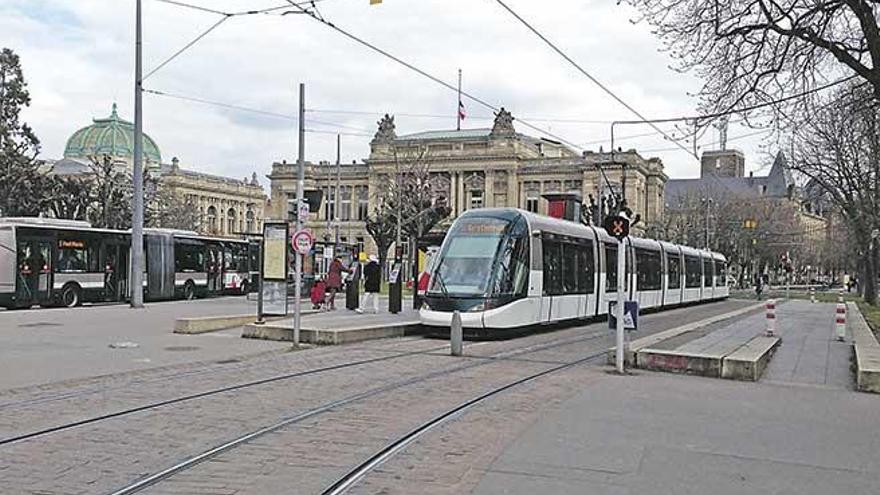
(617, 226)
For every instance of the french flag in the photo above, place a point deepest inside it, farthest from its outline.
(461, 112)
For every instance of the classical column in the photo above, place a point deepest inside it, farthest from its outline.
(489, 188)
(462, 205)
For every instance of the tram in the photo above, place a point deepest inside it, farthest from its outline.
(51, 262)
(505, 268)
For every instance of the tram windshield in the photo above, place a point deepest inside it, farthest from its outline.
(482, 256)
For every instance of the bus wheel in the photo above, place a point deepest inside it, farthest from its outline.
(189, 290)
(70, 296)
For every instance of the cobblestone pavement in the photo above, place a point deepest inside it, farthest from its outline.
(102, 456)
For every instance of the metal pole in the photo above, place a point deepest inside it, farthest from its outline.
(338, 201)
(260, 320)
(458, 104)
(137, 214)
(621, 298)
(300, 183)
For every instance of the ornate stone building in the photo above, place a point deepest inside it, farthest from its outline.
(473, 168)
(226, 206)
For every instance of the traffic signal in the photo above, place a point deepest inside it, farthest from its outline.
(617, 226)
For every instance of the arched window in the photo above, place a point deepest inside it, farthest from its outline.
(230, 221)
(250, 222)
(212, 220)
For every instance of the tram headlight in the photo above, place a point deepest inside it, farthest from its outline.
(482, 306)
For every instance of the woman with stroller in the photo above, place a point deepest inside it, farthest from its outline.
(334, 280)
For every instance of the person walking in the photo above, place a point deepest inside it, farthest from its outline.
(759, 286)
(334, 280)
(372, 282)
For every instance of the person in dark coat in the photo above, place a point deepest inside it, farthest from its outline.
(372, 282)
(334, 280)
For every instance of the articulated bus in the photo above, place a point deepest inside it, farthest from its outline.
(50, 262)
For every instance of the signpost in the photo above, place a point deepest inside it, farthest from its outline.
(302, 242)
(618, 227)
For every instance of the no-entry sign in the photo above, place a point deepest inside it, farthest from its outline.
(302, 242)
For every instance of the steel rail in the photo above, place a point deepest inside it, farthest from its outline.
(192, 461)
(355, 475)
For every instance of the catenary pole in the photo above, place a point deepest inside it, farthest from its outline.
(338, 203)
(300, 183)
(458, 104)
(137, 214)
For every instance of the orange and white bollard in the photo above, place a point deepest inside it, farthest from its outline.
(771, 317)
(840, 320)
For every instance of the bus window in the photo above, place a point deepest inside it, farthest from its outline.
(75, 256)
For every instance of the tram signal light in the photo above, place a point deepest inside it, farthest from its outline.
(750, 223)
(617, 226)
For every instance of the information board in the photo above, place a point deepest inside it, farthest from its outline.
(275, 251)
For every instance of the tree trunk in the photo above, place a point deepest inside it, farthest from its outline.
(869, 279)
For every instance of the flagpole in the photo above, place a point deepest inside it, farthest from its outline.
(458, 106)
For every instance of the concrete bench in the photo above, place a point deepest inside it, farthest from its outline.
(651, 340)
(867, 351)
(335, 336)
(749, 361)
(204, 324)
(703, 364)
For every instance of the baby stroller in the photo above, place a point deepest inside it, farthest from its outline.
(317, 294)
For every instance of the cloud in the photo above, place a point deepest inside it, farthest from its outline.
(78, 59)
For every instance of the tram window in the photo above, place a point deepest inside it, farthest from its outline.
(647, 269)
(610, 268)
(692, 272)
(513, 267)
(553, 283)
(571, 268)
(720, 274)
(674, 270)
(707, 273)
(586, 269)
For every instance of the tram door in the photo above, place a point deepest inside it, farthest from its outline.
(215, 268)
(34, 284)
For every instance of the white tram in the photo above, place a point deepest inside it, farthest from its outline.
(505, 268)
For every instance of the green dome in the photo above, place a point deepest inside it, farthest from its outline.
(111, 136)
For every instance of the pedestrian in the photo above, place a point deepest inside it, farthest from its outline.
(372, 281)
(334, 280)
(759, 286)
(318, 293)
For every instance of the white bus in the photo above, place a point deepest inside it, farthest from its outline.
(50, 262)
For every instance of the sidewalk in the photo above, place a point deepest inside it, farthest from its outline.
(662, 433)
(801, 429)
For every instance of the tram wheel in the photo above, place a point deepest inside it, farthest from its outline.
(70, 296)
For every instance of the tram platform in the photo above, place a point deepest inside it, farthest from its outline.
(341, 326)
(803, 348)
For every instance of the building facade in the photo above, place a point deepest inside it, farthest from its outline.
(227, 207)
(468, 168)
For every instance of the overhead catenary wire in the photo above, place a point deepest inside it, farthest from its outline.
(420, 71)
(589, 76)
(240, 108)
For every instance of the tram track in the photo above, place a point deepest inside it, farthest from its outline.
(192, 461)
(240, 386)
(352, 477)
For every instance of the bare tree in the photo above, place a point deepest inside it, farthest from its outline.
(836, 143)
(69, 196)
(754, 51)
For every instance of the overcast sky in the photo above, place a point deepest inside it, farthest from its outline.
(77, 57)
